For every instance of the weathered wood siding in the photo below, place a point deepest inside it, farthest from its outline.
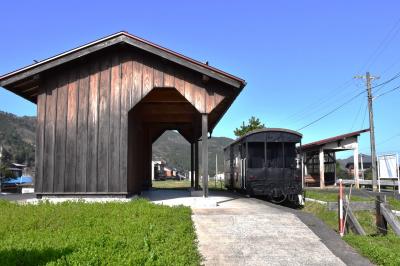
(86, 140)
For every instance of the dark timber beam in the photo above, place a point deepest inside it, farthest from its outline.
(204, 153)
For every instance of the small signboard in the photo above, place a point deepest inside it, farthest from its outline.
(388, 168)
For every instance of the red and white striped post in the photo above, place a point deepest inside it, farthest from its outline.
(340, 208)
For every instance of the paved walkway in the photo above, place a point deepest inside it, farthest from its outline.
(245, 232)
(233, 230)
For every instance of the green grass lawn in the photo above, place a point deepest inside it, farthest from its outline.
(394, 203)
(381, 250)
(331, 196)
(218, 185)
(77, 233)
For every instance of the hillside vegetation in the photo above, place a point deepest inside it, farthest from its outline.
(17, 136)
(173, 148)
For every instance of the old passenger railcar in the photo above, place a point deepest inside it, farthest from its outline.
(265, 163)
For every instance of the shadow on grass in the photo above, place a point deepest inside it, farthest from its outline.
(31, 256)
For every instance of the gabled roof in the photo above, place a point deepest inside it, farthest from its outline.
(9, 80)
(317, 144)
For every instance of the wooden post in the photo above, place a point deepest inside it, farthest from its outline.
(321, 168)
(390, 218)
(196, 165)
(381, 223)
(204, 152)
(351, 220)
(355, 158)
(192, 155)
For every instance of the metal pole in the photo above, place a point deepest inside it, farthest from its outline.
(372, 131)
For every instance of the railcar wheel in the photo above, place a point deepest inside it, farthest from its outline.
(278, 200)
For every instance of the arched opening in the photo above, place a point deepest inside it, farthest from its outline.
(171, 161)
(162, 109)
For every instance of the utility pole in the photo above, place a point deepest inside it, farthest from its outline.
(368, 79)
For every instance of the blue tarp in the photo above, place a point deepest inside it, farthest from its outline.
(17, 180)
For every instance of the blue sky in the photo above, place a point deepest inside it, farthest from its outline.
(298, 57)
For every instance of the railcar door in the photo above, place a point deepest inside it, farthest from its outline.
(274, 170)
(289, 161)
(255, 171)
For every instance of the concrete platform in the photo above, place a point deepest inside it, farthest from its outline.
(246, 231)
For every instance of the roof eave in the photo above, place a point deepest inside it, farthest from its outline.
(120, 37)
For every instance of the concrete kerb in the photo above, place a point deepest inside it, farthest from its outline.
(329, 237)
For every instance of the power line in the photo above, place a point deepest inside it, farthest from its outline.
(332, 111)
(391, 66)
(324, 105)
(357, 115)
(386, 82)
(365, 114)
(313, 106)
(382, 45)
(386, 92)
(388, 139)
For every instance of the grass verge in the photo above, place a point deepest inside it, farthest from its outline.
(381, 250)
(77, 233)
(329, 196)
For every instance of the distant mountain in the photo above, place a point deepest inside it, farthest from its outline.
(175, 150)
(17, 135)
(343, 162)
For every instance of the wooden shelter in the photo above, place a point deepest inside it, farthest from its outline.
(319, 158)
(102, 105)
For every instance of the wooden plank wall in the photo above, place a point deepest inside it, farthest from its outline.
(86, 140)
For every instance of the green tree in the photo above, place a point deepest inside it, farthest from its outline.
(6, 158)
(5, 162)
(253, 123)
(340, 172)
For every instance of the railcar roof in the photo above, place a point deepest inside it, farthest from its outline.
(265, 130)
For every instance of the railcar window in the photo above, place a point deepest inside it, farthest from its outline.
(256, 154)
(274, 155)
(290, 155)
